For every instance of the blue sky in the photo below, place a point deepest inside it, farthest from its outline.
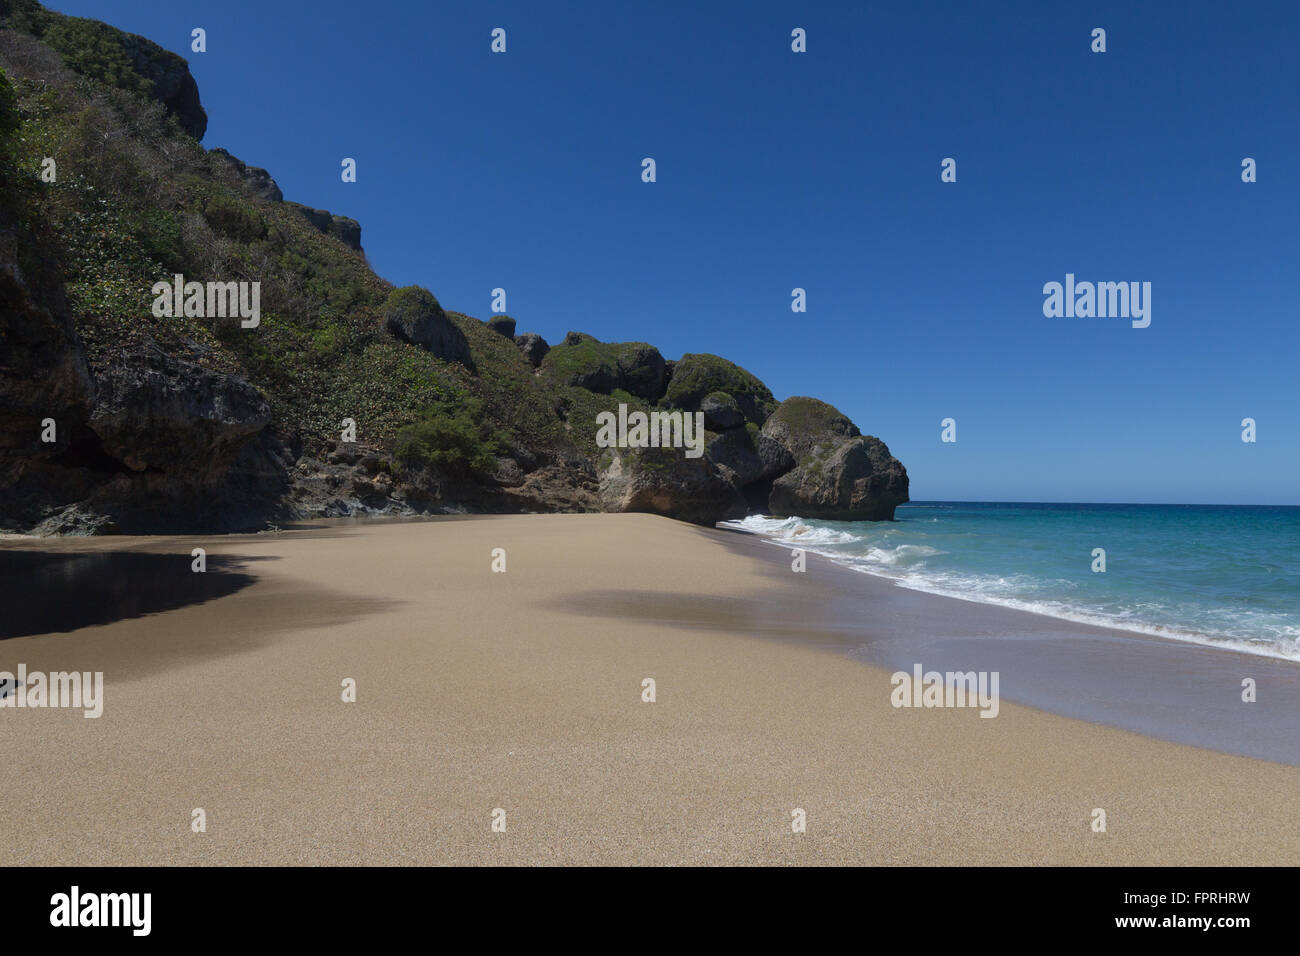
(821, 170)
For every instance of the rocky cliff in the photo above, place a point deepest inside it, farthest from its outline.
(349, 396)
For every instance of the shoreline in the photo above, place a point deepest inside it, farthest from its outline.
(1080, 616)
(522, 691)
(1147, 682)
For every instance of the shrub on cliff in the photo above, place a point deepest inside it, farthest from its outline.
(454, 440)
(413, 314)
(696, 375)
(584, 361)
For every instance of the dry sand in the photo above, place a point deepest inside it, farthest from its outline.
(522, 691)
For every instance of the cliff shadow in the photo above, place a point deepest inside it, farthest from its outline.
(46, 592)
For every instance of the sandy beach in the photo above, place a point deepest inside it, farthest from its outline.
(523, 691)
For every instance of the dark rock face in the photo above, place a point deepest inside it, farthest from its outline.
(502, 325)
(151, 437)
(721, 412)
(43, 369)
(167, 446)
(155, 410)
(533, 346)
(347, 231)
(258, 181)
(663, 481)
(776, 458)
(839, 474)
(414, 315)
(734, 450)
(173, 86)
(641, 371)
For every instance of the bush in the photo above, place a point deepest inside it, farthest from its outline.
(410, 303)
(458, 440)
(95, 50)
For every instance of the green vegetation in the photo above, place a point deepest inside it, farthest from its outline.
(813, 416)
(585, 361)
(582, 357)
(582, 407)
(138, 200)
(697, 374)
(91, 48)
(409, 303)
(455, 439)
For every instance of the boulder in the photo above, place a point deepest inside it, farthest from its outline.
(413, 315)
(721, 412)
(586, 362)
(502, 325)
(840, 474)
(734, 450)
(583, 361)
(533, 346)
(157, 411)
(664, 481)
(641, 370)
(697, 375)
(776, 458)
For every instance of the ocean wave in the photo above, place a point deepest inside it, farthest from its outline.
(1234, 629)
(903, 555)
(792, 531)
(1284, 641)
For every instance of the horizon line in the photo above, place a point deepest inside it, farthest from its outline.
(1155, 504)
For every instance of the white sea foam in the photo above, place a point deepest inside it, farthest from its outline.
(905, 566)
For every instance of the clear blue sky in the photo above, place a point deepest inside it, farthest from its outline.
(821, 170)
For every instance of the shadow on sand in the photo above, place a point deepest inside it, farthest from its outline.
(44, 592)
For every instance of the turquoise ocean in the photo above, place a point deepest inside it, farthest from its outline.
(1224, 576)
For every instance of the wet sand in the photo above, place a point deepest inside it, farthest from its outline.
(522, 691)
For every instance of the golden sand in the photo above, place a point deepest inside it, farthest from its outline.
(523, 691)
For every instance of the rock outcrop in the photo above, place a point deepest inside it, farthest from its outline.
(345, 230)
(584, 361)
(155, 410)
(664, 481)
(502, 325)
(186, 422)
(414, 315)
(173, 85)
(257, 181)
(840, 474)
(43, 369)
(259, 184)
(695, 376)
(533, 346)
(721, 412)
